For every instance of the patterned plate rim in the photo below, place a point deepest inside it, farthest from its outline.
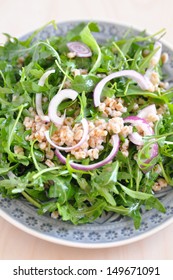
(59, 241)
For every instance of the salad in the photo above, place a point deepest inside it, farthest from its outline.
(86, 127)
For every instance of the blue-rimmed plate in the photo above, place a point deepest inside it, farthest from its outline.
(110, 229)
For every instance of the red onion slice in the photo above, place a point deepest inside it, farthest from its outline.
(156, 57)
(136, 121)
(151, 109)
(39, 109)
(116, 143)
(56, 100)
(80, 49)
(45, 76)
(142, 82)
(38, 99)
(153, 153)
(136, 138)
(83, 139)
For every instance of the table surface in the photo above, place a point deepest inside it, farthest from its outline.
(22, 16)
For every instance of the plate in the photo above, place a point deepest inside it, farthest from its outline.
(110, 229)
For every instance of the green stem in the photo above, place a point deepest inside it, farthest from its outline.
(167, 177)
(14, 127)
(63, 81)
(31, 200)
(2, 75)
(33, 156)
(130, 172)
(53, 51)
(62, 70)
(2, 101)
(121, 53)
(49, 170)
(168, 142)
(29, 40)
(142, 39)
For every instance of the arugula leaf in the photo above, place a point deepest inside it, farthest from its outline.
(83, 214)
(89, 40)
(104, 182)
(61, 189)
(85, 83)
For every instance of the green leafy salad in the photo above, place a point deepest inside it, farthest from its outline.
(86, 128)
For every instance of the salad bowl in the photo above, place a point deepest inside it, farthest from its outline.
(110, 229)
